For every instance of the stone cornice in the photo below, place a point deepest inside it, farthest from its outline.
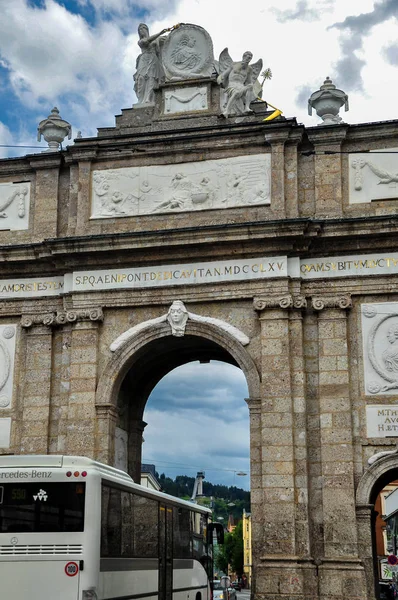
(52, 319)
(342, 301)
(52, 160)
(285, 301)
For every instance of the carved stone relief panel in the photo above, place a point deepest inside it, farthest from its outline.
(5, 432)
(121, 439)
(373, 175)
(195, 186)
(14, 205)
(187, 53)
(7, 356)
(380, 348)
(185, 99)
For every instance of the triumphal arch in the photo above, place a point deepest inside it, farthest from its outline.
(196, 229)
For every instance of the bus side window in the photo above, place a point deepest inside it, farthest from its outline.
(111, 524)
(146, 527)
(181, 533)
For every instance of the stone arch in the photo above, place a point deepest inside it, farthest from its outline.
(156, 351)
(375, 478)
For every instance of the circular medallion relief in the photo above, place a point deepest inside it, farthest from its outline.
(188, 53)
(4, 401)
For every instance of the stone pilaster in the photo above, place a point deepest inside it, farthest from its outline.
(366, 518)
(136, 430)
(36, 392)
(107, 415)
(291, 174)
(256, 493)
(46, 194)
(328, 170)
(341, 573)
(285, 566)
(81, 416)
(277, 141)
(83, 194)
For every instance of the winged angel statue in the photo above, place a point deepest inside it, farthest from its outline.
(239, 79)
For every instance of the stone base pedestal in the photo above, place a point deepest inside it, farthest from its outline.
(342, 579)
(290, 578)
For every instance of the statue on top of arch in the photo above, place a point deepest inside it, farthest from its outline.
(187, 55)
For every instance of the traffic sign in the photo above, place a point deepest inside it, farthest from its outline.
(392, 560)
(71, 569)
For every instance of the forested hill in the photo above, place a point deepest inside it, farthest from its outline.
(227, 500)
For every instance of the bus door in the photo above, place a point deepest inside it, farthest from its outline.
(165, 553)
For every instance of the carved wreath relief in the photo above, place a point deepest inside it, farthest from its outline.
(224, 183)
(14, 205)
(7, 355)
(373, 175)
(380, 348)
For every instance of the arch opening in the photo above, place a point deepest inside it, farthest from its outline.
(143, 370)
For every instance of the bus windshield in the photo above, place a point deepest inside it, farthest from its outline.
(46, 507)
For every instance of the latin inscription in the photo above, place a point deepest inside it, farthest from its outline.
(382, 421)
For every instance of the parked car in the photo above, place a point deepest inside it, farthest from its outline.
(236, 585)
(218, 591)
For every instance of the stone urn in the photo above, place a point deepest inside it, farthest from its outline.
(327, 102)
(54, 130)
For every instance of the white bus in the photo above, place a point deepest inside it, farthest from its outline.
(75, 529)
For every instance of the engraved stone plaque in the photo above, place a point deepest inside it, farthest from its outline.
(380, 348)
(14, 205)
(382, 421)
(373, 176)
(7, 356)
(210, 184)
(188, 53)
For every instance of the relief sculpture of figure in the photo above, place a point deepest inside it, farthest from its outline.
(239, 79)
(390, 356)
(185, 55)
(149, 73)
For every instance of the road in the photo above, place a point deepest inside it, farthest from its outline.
(243, 595)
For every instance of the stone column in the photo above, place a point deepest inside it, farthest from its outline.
(136, 429)
(328, 169)
(36, 392)
(341, 573)
(45, 223)
(277, 141)
(81, 415)
(285, 567)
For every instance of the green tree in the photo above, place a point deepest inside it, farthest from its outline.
(231, 553)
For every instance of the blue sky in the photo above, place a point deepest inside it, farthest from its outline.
(80, 55)
(198, 420)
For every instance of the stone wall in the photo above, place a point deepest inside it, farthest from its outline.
(304, 359)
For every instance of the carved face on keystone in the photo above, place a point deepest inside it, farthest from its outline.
(177, 312)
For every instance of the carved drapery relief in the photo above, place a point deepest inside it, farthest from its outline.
(195, 186)
(121, 444)
(286, 301)
(14, 205)
(185, 100)
(62, 317)
(177, 317)
(7, 357)
(374, 175)
(321, 302)
(380, 347)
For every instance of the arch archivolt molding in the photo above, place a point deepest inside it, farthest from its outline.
(122, 358)
(372, 474)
